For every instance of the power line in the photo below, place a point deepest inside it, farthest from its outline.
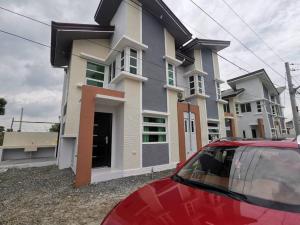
(36, 20)
(24, 38)
(44, 45)
(238, 40)
(256, 34)
(27, 17)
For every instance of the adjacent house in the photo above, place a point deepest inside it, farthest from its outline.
(231, 111)
(136, 97)
(257, 106)
(24, 149)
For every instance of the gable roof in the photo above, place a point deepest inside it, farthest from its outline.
(231, 93)
(63, 34)
(197, 43)
(260, 74)
(157, 8)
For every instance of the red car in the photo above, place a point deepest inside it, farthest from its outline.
(227, 183)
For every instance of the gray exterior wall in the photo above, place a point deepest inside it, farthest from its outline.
(268, 106)
(266, 93)
(154, 93)
(155, 154)
(19, 153)
(271, 121)
(209, 82)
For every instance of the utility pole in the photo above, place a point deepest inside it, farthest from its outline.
(12, 124)
(292, 92)
(21, 118)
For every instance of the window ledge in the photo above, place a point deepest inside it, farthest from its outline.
(126, 75)
(198, 95)
(195, 72)
(222, 101)
(125, 41)
(258, 113)
(155, 113)
(173, 88)
(172, 60)
(91, 58)
(240, 115)
(219, 81)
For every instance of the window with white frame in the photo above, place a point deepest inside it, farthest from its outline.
(273, 110)
(213, 131)
(226, 108)
(192, 85)
(154, 129)
(258, 106)
(218, 89)
(133, 61)
(122, 60)
(237, 108)
(112, 71)
(95, 74)
(171, 74)
(200, 84)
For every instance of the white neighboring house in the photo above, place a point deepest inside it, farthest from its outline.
(259, 109)
(28, 149)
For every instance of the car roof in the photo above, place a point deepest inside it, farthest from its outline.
(256, 143)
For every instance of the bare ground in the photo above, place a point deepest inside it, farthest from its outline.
(46, 195)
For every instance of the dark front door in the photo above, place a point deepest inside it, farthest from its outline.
(102, 140)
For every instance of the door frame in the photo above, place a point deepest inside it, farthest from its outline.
(183, 107)
(110, 135)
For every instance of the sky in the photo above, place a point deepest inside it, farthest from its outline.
(27, 79)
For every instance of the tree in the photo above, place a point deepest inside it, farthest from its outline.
(2, 129)
(3, 102)
(54, 128)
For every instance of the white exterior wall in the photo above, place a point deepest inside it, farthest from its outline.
(128, 22)
(253, 92)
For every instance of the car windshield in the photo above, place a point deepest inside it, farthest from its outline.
(263, 175)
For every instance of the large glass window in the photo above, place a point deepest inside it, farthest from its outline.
(246, 107)
(133, 61)
(112, 71)
(237, 108)
(122, 60)
(218, 88)
(200, 84)
(264, 176)
(154, 129)
(213, 131)
(171, 75)
(226, 108)
(192, 85)
(95, 74)
(258, 106)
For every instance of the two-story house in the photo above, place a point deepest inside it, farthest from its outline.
(256, 105)
(135, 98)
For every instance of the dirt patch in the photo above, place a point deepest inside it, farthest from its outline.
(46, 196)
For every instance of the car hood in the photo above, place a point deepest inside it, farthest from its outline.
(166, 202)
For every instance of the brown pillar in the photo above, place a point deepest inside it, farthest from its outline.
(86, 129)
(261, 129)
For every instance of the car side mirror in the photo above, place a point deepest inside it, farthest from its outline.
(179, 165)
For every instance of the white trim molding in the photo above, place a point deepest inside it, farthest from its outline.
(126, 75)
(195, 72)
(219, 81)
(172, 60)
(91, 58)
(124, 42)
(222, 101)
(173, 88)
(155, 113)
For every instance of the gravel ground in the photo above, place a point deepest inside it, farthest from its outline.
(46, 196)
